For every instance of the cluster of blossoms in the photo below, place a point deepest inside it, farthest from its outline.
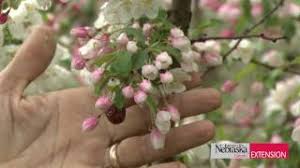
(140, 62)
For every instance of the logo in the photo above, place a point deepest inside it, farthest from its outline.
(249, 151)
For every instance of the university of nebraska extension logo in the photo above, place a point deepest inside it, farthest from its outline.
(249, 151)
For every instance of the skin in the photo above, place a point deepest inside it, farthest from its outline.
(45, 130)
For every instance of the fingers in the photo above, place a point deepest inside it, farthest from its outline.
(190, 103)
(169, 165)
(32, 58)
(196, 80)
(178, 140)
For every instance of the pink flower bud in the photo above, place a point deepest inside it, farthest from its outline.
(122, 40)
(103, 103)
(257, 88)
(175, 115)
(4, 17)
(150, 72)
(229, 12)
(147, 28)
(146, 86)
(140, 97)
(229, 86)
(276, 139)
(128, 92)
(227, 33)
(82, 32)
(297, 122)
(212, 59)
(166, 77)
(78, 62)
(176, 32)
(97, 74)
(157, 139)
(132, 47)
(89, 124)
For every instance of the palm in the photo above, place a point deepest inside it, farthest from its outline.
(45, 130)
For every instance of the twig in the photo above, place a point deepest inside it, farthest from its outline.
(247, 31)
(262, 36)
(272, 68)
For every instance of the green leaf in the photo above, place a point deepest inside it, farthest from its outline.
(119, 99)
(105, 58)
(289, 28)
(242, 25)
(245, 72)
(100, 85)
(138, 59)
(122, 65)
(296, 60)
(135, 33)
(151, 104)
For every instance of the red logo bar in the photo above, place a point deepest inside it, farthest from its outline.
(269, 151)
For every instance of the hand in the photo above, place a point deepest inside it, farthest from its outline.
(45, 130)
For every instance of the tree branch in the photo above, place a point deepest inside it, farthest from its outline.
(247, 31)
(292, 71)
(262, 36)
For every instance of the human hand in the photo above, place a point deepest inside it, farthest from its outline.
(45, 130)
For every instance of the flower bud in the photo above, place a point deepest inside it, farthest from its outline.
(175, 115)
(257, 9)
(128, 92)
(229, 86)
(146, 86)
(4, 17)
(89, 124)
(176, 32)
(104, 103)
(140, 97)
(136, 25)
(82, 32)
(122, 40)
(97, 74)
(157, 139)
(212, 59)
(210, 4)
(149, 71)
(276, 139)
(166, 77)
(229, 12)
(147, 28)
(132, 47)
(78, 63)
(163, 61)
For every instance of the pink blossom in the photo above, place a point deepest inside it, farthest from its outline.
(257, 88)
(166, 77)
(211, 59)
(163, 61)
(257, 9)
(297, 122)
(157, 139)
(146, 86)
(103, 103)
(176, 33)
(132, 46)
(140, 97)
(181, 43)
(175, 115)
(229, 12)
(89, 124)
(97, 74)
(211, 4)
(123, 39)
(78, 62)
(147, 28)
(128, 92)
(229, 86)
(276, 139)
(82, 32)
(227, 33)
